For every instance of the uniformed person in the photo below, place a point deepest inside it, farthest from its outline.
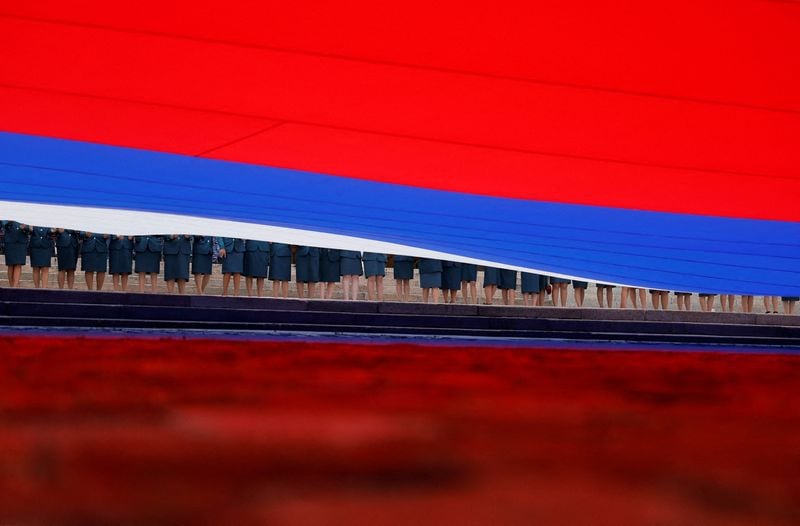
(147, 252)
(630, 293)
(469, 282)
(529, 287)
(789, 303)
(351, 269)
(16, 249)
(280, 269)
(177, 255)
(202, 252)
(330, 271)
(560, 291)
(403, 271)
(231, 252)
(451, 281)
(374, 270)
(684, 300)
(579, 290)
(120, 261)
(728, 302)
(605, 292)
(307, 271)
(42, 250)
(430, 279)
(491, 278)
(256, 265)
(67, 247)
(94, 259)
(508, 286)
(747, 303)
(660, 299)
(771, 304)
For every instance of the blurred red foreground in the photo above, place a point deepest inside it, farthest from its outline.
(147, 431)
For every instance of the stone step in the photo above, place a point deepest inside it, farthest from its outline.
(92, 310)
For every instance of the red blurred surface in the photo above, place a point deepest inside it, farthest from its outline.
(164, 431)
(677, 106)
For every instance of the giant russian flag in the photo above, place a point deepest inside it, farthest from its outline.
(646, 143)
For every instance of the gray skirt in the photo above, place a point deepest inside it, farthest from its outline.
(176, 266)
(148, 262)
(94, 261)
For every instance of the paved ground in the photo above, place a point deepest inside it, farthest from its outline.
(163, 431)
(215, 288)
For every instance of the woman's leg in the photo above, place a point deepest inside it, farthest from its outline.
(580, 295)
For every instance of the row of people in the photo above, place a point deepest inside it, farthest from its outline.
(317, 270)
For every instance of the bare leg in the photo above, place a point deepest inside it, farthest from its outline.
(153, 282)
(14, 274)
(37, 277)
(346, 286)
(526, 299)
(563, 292)
(259, 287)
(101, 278)
(773, 300)
(62, 278)
(469, 291)
(89, 277)
(141, 276)
(226, 281)
(248, 284)
(284, 289)
(580, 295)
(488, 294)
(70, 279)
(115, 279)
(372, 288)
(747, 303)
(379, 285)
(181, 286)
(237, 279)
